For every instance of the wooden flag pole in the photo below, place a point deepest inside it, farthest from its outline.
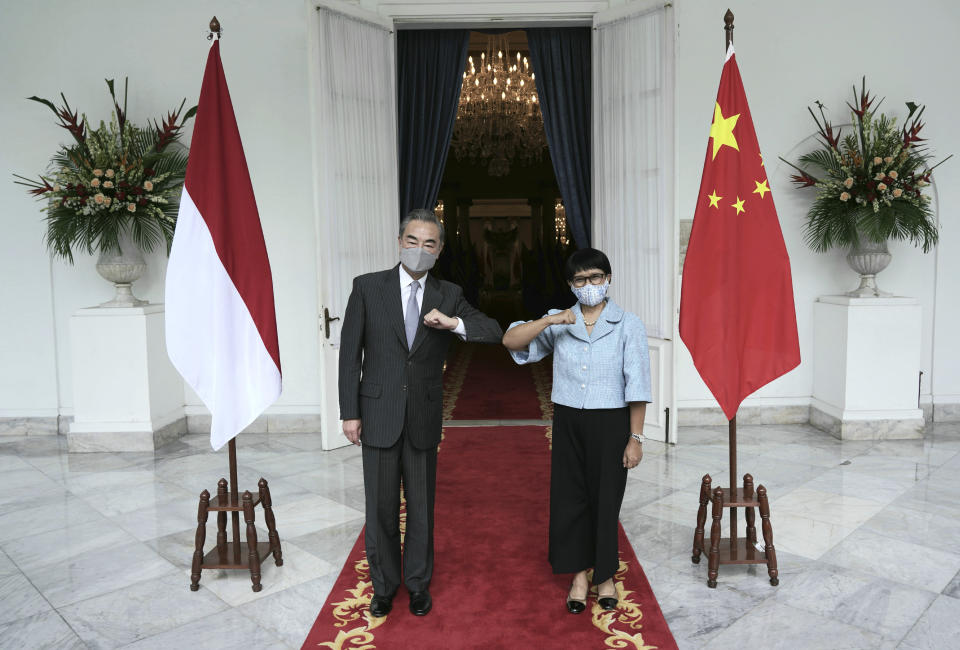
(237, 554)
(735, 552)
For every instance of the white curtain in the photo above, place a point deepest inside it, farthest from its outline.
(355, 123)
(633, 195)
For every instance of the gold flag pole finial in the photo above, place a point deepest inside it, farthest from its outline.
(727, 29)
(214, 28)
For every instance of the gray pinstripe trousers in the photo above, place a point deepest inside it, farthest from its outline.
(383, 469)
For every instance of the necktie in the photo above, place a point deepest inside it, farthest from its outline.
(413, 314)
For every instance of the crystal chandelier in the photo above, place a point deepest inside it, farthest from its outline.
(560, 222)
(498, 118)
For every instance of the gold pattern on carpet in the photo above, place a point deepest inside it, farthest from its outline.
(355, 608)
(627, 613)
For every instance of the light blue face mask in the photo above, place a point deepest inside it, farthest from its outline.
(591, 294)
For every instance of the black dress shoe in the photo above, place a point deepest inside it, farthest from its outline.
(380, 606)
(574, 605)
(420, 603)
(607, 602)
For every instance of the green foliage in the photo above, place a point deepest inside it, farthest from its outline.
(870, 184)
(113, 180)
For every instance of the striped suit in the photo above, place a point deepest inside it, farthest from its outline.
(398, 394)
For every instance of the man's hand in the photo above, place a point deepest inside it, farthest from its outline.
(351, 429)
(439, 321)
(632, 454)
(565, 317)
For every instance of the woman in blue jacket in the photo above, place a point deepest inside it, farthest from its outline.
(601, 386)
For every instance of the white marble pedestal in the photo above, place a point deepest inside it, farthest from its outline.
(866, 367)
(127, 395)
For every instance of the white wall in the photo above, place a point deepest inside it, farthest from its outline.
(789, 55)
(55, 46)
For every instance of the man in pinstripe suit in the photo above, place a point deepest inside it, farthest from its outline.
(395, 335)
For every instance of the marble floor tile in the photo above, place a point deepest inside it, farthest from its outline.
(639, 493)
(326, 479)
(807, 537)
(34, 552)
(227, 631)
(331, 544)
(715, 610)
(893, 559)
(157, 521)
(120, 479)
(19, 599)
(891, 467)
(53, 515)
(773, 625)
(845, 482)
(885, 607)
(295, 518)
(953, 589)
(41, 631)
(924, 528)
(111, 502)
(98, 572)
(27, 489)
(6, 565)
(177, 548)
(141, 610)
(234, 587)
(825, 506)
(289, 614)
(937, 629)
(656, 540)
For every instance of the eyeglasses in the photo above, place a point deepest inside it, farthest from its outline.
(596, 278)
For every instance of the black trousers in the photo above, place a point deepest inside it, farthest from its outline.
(587, 482)
(383, 469)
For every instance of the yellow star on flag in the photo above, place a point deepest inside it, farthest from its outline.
(762, 188)
(738, 205)
(713, 200)
(722, 130)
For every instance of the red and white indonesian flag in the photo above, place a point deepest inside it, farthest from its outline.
(221, 324)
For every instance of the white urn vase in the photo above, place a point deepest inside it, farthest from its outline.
(868, 258)
(123, 268)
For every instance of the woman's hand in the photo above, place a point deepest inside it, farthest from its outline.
(564, 317)
(632, 454)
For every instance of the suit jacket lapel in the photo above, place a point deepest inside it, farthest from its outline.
(431, 300)
(608, 319)
(391, 299)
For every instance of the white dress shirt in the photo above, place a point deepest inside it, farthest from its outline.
(405, 282)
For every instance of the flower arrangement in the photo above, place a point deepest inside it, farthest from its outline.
(872, 182)
(112, 180)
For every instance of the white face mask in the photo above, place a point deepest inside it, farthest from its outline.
(591, 294)
(417, 259)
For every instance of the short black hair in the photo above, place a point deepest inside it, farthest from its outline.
(584, 260)
(422, 214)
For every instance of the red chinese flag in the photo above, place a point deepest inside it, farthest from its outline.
(737, 315)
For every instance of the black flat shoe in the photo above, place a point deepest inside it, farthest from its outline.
(575, 605)
(380, 606)
(420, 603)
(607, 602)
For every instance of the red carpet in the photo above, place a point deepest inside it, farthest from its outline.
(494, 387)
(492, 584)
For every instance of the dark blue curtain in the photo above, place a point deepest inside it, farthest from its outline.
(430, 65)
(561, 59)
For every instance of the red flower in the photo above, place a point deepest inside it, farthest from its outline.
(142, 202)
(149, 172)
(121, 195)
(803, 179)
(871, 185)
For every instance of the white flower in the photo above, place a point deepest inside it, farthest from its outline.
(98, 172)
(888, 159)
(148, 185)
(132, 207)
(897, 192)
(882, 186)
(922, 183)
(877, 160)
(99, 198)
(844, 196)
(108, 184)
(95, 182)
(878, 176)
(848, 183)
(893, 174)
(109, 173)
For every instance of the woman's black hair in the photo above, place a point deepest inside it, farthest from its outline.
(584, 260)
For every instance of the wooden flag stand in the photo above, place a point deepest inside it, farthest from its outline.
(236, 554)
(733, 550)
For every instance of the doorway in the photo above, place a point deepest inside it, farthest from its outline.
(633, 194)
